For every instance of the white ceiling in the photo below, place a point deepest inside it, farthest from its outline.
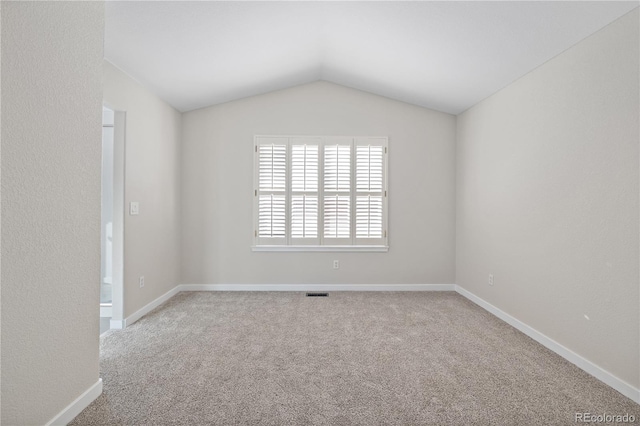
(442, 55)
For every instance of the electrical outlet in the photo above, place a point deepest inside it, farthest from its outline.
(142, 281)
(490, 279)
(336, 264)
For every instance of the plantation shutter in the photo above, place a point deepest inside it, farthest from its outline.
(320, 191)
(370, 191)
(271, 192)
(337, 188)
(305, 159)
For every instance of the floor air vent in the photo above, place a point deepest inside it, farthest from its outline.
(317, 294)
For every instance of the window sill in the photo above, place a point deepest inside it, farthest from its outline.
(322, 248)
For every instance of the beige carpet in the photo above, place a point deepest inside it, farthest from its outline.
(249, 358)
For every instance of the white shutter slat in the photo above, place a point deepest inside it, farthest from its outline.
(369, 216)
(304, 216)
(337, 187)
(369, 168)
(305, 159)
(370, 202)
(271, 216)
(337, 216)
(304, 168)
(337, 168)
(272, 170)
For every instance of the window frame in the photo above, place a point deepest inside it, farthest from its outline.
(320, 244)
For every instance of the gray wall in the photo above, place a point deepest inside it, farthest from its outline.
(547, 199)
(51, 139)
(217, 189)
(152, 178)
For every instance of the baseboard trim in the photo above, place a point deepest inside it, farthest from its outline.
(116, 324)
(604, 376)
(72, 410)
(317, 287)
(149, 307)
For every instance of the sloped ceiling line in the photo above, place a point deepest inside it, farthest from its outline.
(445, 56)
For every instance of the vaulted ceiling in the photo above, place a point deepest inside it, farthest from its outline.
(441, 55)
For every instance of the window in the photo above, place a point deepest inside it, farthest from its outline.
(320, 193)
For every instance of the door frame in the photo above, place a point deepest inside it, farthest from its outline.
(117, 286)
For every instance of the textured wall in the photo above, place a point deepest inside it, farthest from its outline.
(547, 199)
(51, 133)
(217, 188)
(152, 178)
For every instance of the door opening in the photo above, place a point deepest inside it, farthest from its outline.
(112, 219)
(106, 222)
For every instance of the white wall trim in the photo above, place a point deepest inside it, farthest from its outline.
(317, 287)
(116, 324)
(122, 324)
(322, 248)
(72, 410)
(604, 376)
(106, 311)
(149, 307)
(620, 385)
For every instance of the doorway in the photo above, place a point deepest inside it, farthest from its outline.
(112, 219)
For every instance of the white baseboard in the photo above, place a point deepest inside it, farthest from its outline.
(317, 287)
(604, 376)
(72, 410)
(149, 307)
(116, 324)
(122, 324)
(621, 386)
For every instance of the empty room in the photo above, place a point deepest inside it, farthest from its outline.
(320, 213)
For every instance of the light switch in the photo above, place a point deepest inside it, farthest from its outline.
(134, 208)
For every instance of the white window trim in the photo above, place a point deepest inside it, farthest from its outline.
(324, 140)
(344, 248)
